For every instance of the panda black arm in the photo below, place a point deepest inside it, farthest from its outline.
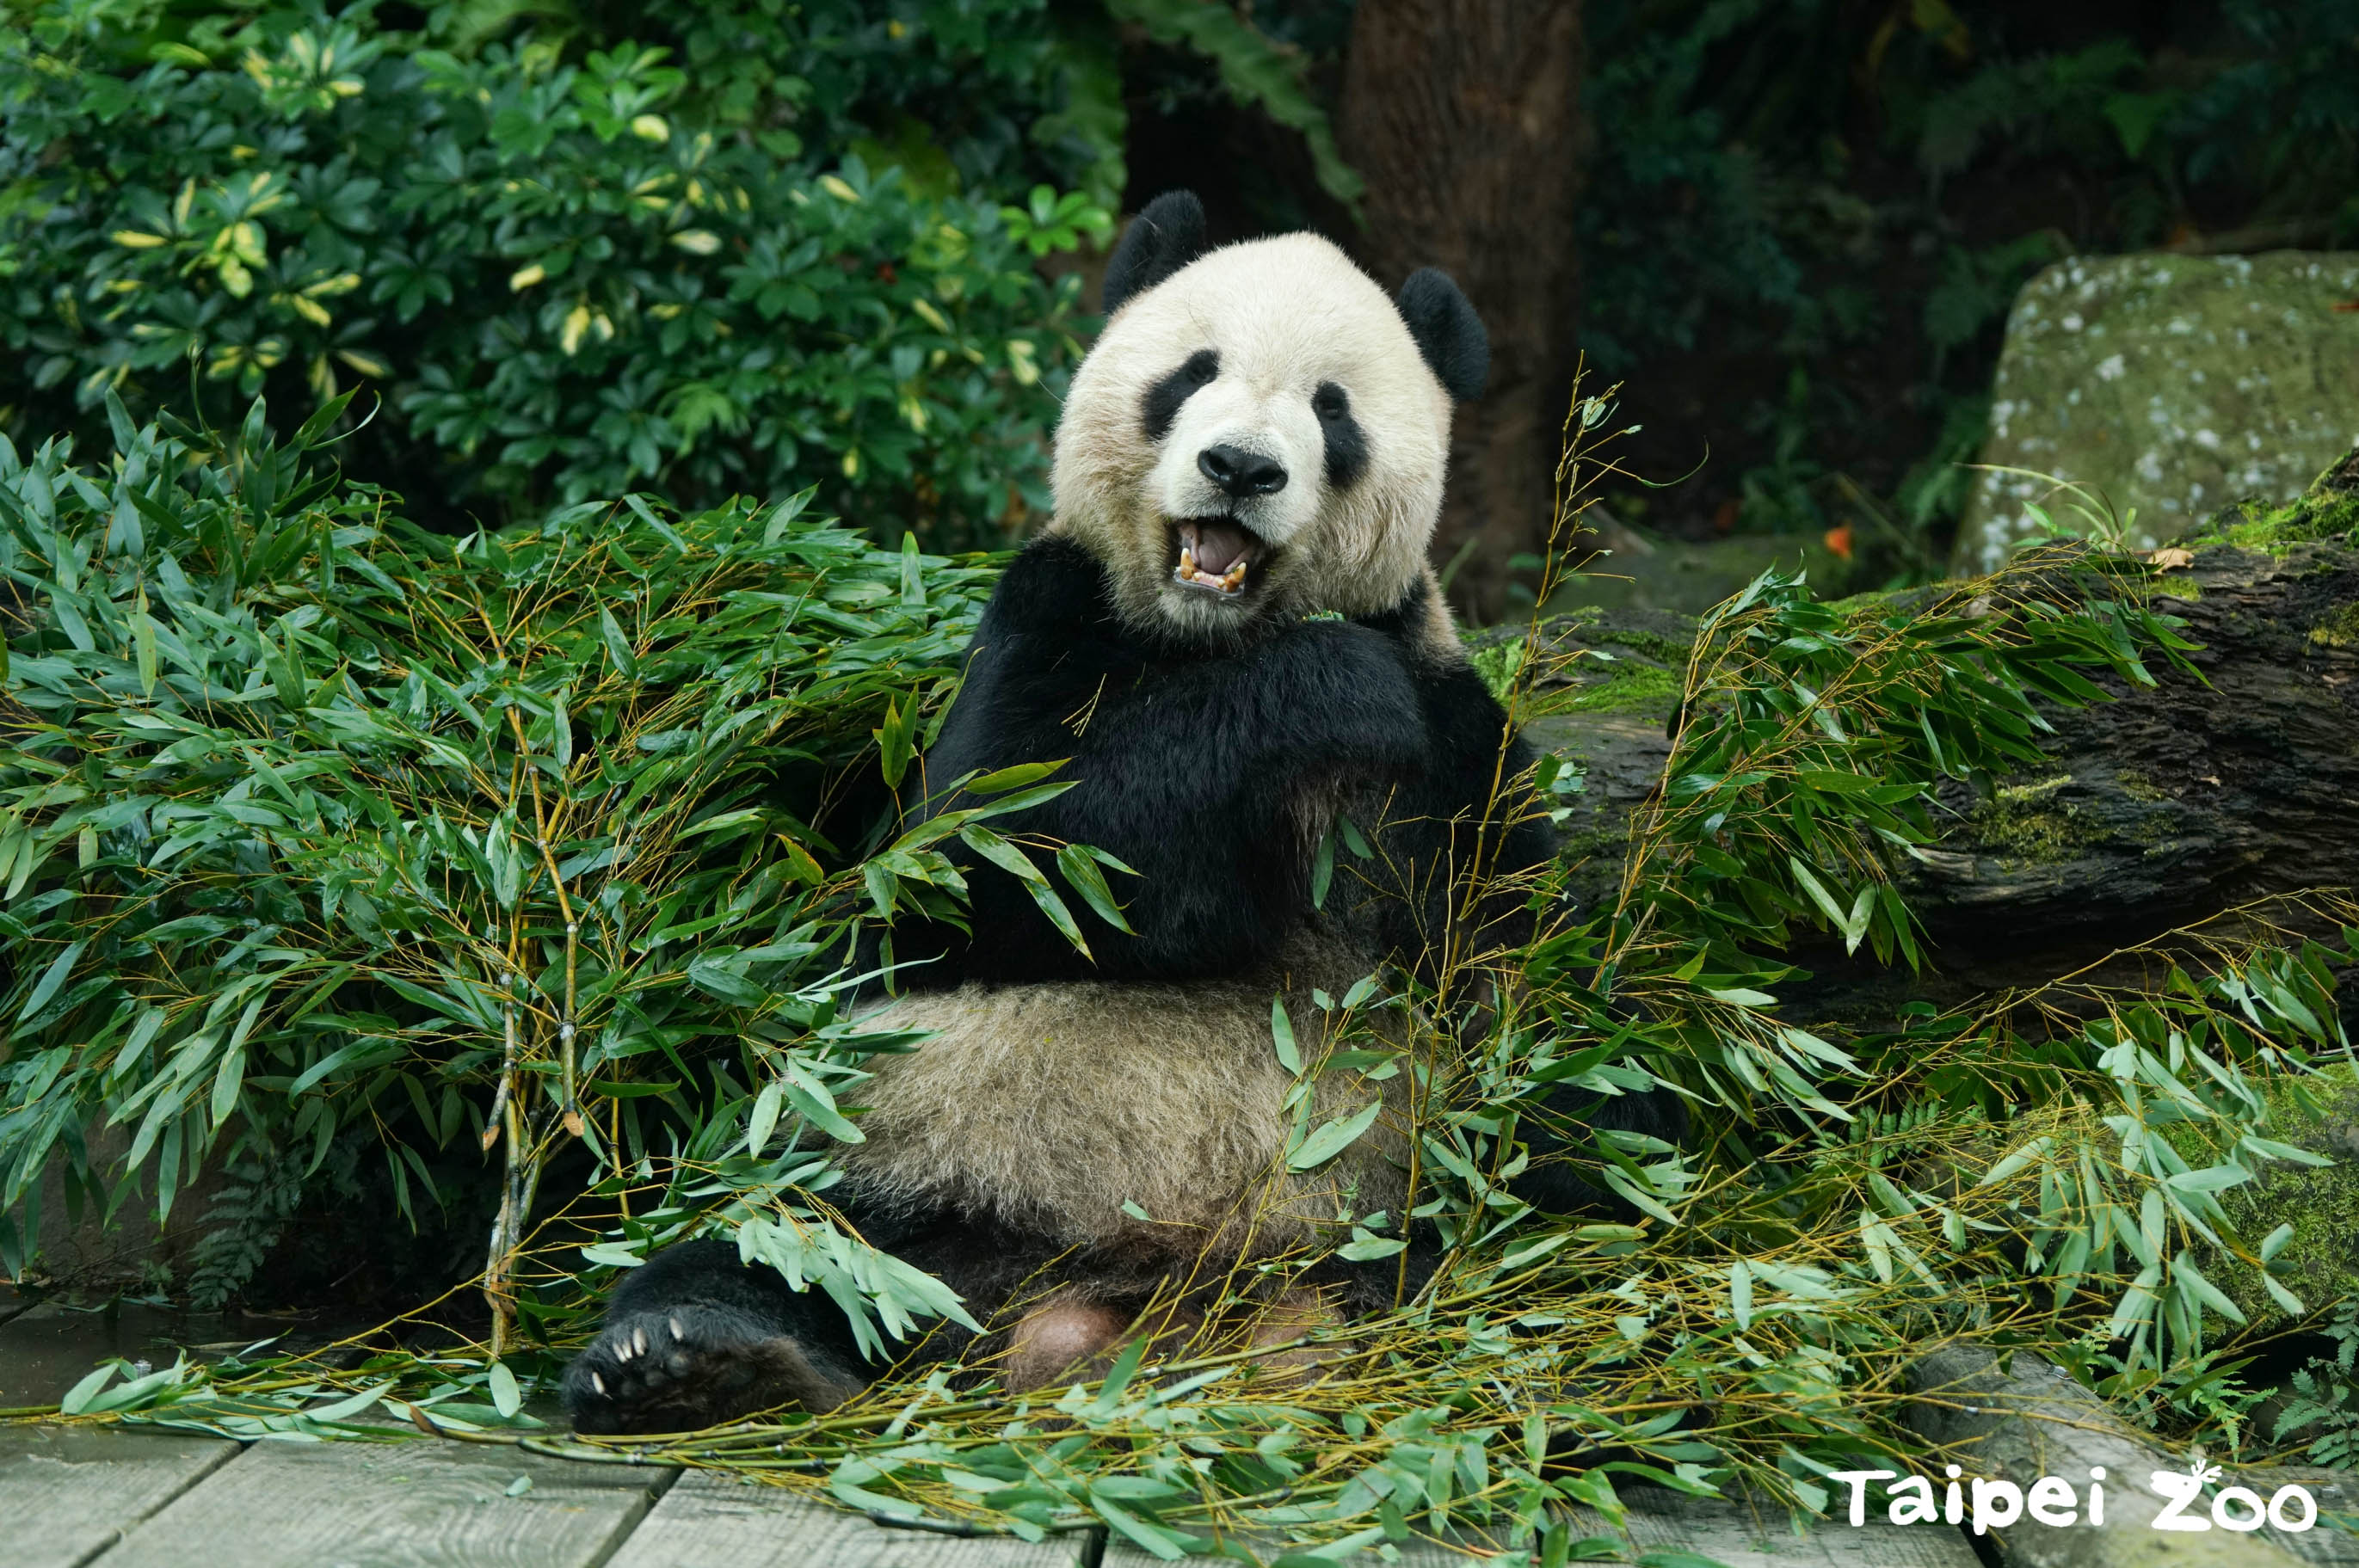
(1481, 773)
(1182, 763)
(1474, 776)
(1468, 816)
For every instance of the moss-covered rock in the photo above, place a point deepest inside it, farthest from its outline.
(2171, 385)
(2166, 808)
(1606, 659)
(2028, 821)
(1640, 571)
(2325, 514)
(2320, 1264)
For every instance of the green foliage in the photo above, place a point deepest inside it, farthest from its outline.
(985, 96)
(2271, 109)
(317, 832)
(568, 249)
(1681, 215)
(1824, 733)
(2322, 1404)
(311, 822)
(565, 269)
(1053, 222)
(245, 1219)
(1977, 287)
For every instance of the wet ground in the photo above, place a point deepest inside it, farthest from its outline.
(47, 1347)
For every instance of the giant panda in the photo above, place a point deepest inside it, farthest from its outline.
(1231, 630)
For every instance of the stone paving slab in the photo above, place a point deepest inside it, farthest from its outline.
(394, 1505)
(719, 1521)
(66, 1496)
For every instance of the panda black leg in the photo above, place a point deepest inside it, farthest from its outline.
(1552, 1183)
(1379, 1284)
(694, 1338)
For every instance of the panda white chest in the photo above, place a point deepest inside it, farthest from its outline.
(1072, 1108)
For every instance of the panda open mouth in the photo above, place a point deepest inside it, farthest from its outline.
(1217, 554)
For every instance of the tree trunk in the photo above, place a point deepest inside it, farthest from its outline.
(1462, 116)
(2156, 811)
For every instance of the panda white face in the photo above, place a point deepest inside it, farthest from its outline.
(1254, 437)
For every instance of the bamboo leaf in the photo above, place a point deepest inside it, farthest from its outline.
(896, 742)
(1282, 1032)
(618, 649)
(1080, 870)
(1322, 869)
(1330, 1138)
(1817, 893)
(52, 978)
(769, 1107)
(506, 1397)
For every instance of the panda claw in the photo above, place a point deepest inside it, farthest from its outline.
(639, 1340)
(598, 1383)
(677, 1332)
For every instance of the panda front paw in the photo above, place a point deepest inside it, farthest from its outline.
(692, 1366)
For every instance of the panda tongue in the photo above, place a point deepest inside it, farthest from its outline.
(1218, 546)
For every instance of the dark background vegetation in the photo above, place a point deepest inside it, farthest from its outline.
(578, 247)
(1798, 224)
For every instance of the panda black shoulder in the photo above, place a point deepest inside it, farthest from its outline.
(1420, 627)
(1052, 581)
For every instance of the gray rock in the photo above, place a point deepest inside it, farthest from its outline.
(2171, 385)
(2021, 1419)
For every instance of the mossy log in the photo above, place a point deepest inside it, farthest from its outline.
(2155, 811)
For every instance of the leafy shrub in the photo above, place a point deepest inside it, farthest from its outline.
(987, 96)
(565, 277)
(2320, 1402)
(314, 822)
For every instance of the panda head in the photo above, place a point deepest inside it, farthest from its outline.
(1260, 432)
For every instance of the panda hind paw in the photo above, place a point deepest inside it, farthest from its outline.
(691, 1367)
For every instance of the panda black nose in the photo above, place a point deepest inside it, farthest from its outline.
(1241, 474)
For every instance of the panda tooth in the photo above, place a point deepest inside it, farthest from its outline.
(1234, 577)
(1187, 562)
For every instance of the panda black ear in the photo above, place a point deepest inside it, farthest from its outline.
(1166, 236)
(1448, 333)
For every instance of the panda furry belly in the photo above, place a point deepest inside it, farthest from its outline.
(1050, 1106)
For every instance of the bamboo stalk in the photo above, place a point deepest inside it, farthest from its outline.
(507, 1226)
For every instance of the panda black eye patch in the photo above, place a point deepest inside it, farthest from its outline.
(1347, 444)
(1164, 398)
